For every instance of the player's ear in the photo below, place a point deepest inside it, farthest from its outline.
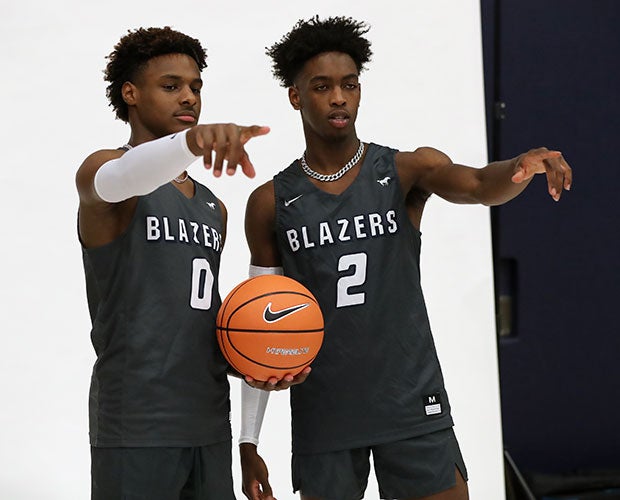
(129, 93)
(293, 97)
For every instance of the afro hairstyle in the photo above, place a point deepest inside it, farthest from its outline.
(315, 36)
(135, 49)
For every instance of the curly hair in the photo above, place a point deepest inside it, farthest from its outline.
(314, 36)
(135, 49)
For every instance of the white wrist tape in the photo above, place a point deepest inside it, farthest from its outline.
(142, 169)
(259, 270)
(254, 401)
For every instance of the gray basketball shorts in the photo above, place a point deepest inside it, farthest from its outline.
(199, 473)
(414, 467)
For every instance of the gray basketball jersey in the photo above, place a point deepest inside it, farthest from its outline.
(377, 378)
(159, 378)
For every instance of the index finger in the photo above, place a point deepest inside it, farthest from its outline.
(246, 133)
(546, 154)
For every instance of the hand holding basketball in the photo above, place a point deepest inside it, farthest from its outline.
(270, 327)
(274, 384)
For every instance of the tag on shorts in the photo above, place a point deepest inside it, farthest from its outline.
(432, 404)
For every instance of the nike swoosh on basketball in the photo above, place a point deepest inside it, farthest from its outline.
(272, 316)
(292, 200)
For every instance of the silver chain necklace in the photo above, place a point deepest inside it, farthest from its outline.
(179, 179)
(337, 175)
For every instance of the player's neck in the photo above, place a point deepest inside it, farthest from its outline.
(329, 156)
(140, 135)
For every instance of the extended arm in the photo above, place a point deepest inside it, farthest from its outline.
(109, 181)
(497, 183)
(142, 169)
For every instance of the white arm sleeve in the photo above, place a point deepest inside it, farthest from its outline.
(253, 405)
(254, 401)
(142, 169)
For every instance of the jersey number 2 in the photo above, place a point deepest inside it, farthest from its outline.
(202, 284)
(344, 297)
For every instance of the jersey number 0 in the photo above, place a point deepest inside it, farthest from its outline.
(202, 285)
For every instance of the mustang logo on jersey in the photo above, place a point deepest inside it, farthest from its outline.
(185, 231)
(359, 227)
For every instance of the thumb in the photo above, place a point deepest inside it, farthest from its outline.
(518, 176)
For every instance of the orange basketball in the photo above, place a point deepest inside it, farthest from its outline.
(269, 326)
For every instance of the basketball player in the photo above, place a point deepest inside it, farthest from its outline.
(344, 220)
(152, 238)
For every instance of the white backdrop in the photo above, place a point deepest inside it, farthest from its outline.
(423, 87)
